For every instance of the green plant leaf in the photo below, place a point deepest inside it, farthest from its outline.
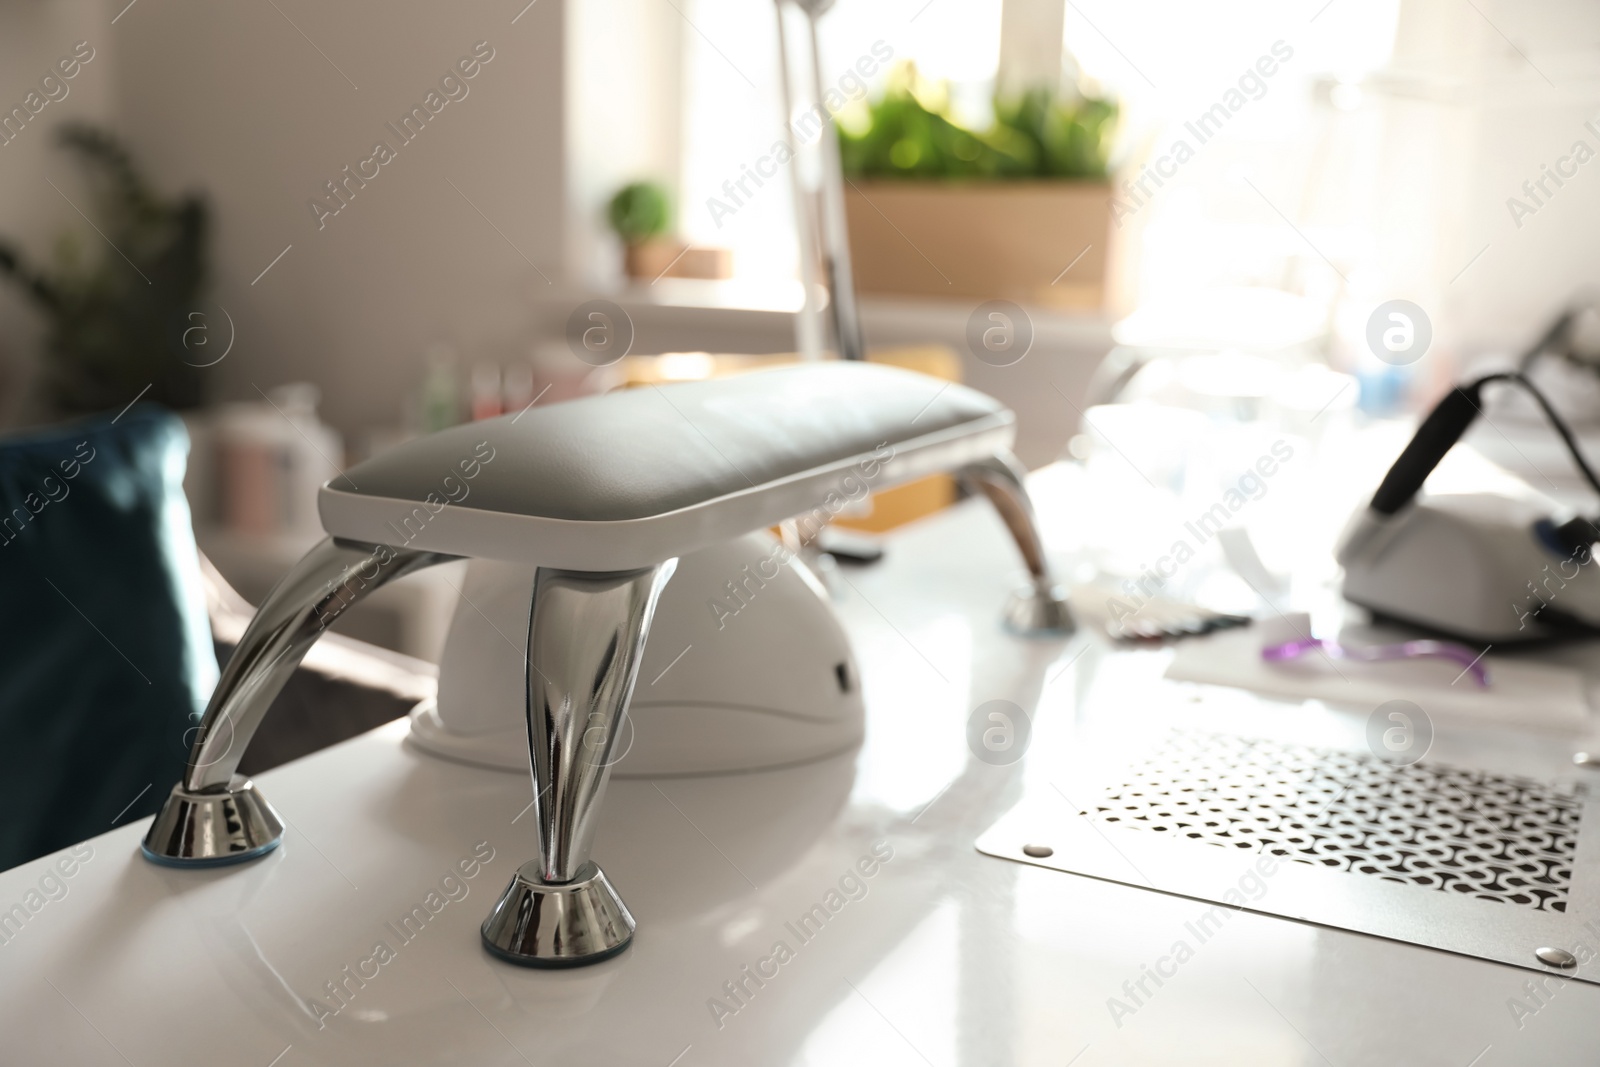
(115, 324)
(910, 135)
(640, 211)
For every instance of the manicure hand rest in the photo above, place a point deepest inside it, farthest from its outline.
(601, 497)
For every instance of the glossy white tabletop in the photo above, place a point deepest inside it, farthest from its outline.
(942, 956)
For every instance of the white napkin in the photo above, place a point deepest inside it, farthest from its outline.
(1521, 692)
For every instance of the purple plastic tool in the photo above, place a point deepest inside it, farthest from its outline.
(1405, 650)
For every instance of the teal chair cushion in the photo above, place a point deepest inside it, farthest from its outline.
(106, 658)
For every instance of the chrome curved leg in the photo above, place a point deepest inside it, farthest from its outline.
(586, 636)
(1042, 607)
(216, 816)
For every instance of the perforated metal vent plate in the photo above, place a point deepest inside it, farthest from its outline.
(1458, 831)
(1450, 857)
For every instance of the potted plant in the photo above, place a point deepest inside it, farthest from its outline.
(939, 209)
(641, 215)
(121, 311)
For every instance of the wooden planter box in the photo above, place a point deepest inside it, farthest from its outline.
(668, 258)
(984, 241)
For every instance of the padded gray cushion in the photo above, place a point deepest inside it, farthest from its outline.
(648, 451)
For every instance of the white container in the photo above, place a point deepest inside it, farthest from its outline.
(269, 458)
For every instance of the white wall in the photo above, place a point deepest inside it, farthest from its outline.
(34, 34)
(1495, 96)
(233, 99)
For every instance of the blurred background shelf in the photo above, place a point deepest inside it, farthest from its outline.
(1046, 388)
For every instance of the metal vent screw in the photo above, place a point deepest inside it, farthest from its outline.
(1556, 957)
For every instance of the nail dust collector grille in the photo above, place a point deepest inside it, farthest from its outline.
(1457, 831)
(1452, 858)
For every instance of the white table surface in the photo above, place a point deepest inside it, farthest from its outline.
(951, 957)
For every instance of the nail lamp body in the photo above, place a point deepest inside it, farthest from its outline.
(1473, 565)
(747, 668)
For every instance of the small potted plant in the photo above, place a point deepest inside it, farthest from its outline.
(641, 214)
(936, 208)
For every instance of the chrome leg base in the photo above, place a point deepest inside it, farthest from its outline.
(1040, 611)
(213, 829)
(215, 816)
(538, 924)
